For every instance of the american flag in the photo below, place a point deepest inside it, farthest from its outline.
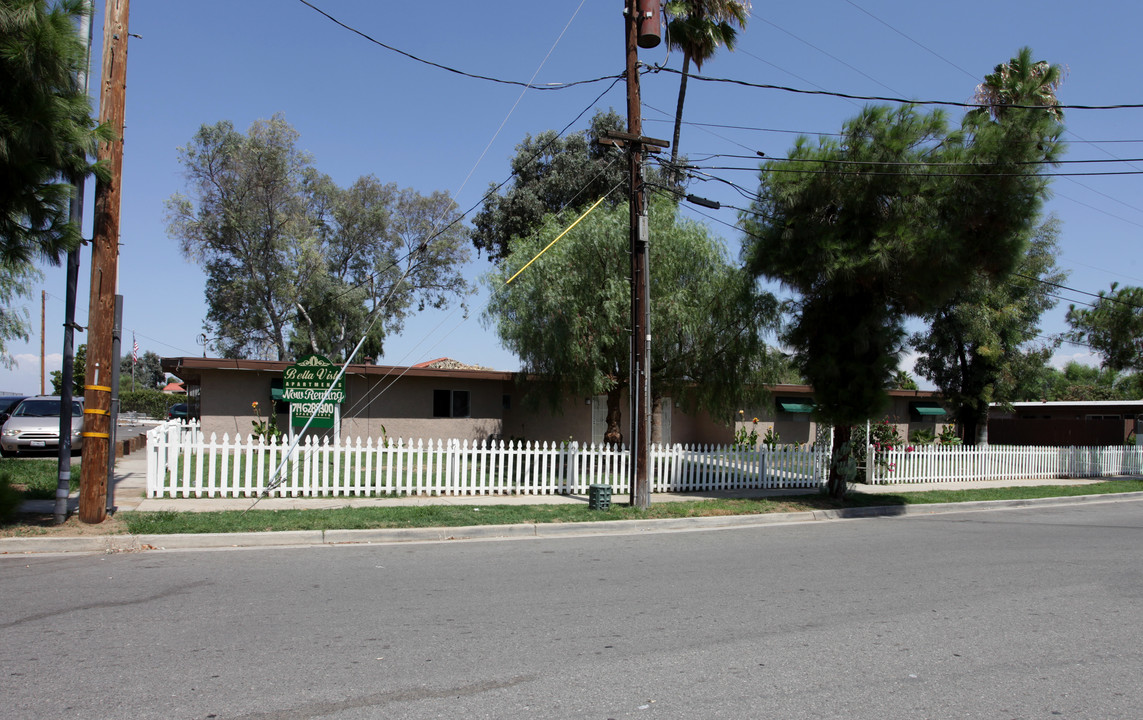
(135, 350)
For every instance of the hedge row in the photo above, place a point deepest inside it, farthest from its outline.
(153, 403)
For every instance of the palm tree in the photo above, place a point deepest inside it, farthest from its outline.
(698, 28)
(47, 131)
(1021, 81)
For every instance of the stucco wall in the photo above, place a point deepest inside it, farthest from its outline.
(401, 406)
(225, 400)
(572, 421)
(404, 407)
(400, 409)
(697, 427)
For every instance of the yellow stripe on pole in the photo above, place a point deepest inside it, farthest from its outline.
(96, 435)
(103, 388)
(565, 232)
(95, 411)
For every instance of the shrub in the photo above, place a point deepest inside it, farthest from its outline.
(883, 435)
(10, 498)
(922, 436)
(152, 403)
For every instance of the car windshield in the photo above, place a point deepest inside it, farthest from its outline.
(44, 408)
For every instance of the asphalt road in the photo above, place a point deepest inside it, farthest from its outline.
(1031, 613)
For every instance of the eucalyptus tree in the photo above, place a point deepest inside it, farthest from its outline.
(380, 252)
(567, 315)
(295, 263)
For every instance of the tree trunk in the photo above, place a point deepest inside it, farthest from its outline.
(675, 173)
(309, 328)
(837, 484)
(613, 435)
(981, 439)
(969, 427)
(656, 419)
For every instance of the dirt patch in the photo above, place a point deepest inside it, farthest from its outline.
(44, 525)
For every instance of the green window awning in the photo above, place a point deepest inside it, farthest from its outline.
(795, 406)
(928, 409)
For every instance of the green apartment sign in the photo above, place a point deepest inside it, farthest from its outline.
(305, 383)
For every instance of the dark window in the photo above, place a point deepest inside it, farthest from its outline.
(450, 403)
(442, 403)
(506, 402)
(460, 403)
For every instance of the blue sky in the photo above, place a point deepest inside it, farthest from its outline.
(362, 109)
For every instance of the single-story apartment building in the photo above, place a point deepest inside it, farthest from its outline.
(444, 399)
(1064, 422)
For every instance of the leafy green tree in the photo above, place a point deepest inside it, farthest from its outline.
(246, 230)
(16, 280)
(1112, 327)
(868, 232)
(1079, 382)
(293, 262)
(379, 252)
(79, 369)
(567, 316)
(148, 372)
(699, 28)
(46, 128)
(550, 174)
(902, 380)
(973, 349)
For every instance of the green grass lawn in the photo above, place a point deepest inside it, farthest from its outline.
(37, 477)
(456, 515)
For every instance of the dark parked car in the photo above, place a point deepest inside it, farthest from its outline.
(8, 403)
(178, 411)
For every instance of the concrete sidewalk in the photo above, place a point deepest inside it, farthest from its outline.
(130, 480)
(129, 486)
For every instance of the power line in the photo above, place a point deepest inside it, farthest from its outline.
(917, 163)
(484, 198)
(753, 128)
(863, 173)
(517, 83)
(906, 101)
(833, 57)
(915, 42)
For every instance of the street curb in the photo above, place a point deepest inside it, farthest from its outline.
(105, 544)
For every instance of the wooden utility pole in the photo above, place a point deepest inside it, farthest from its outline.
(639, 386)
(104, 271)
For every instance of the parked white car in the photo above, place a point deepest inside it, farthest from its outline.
(34, 425)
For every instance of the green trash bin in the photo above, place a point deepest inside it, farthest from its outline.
(599, 497)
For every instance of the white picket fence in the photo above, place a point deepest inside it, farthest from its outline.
(182, 462)
(943, 463)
